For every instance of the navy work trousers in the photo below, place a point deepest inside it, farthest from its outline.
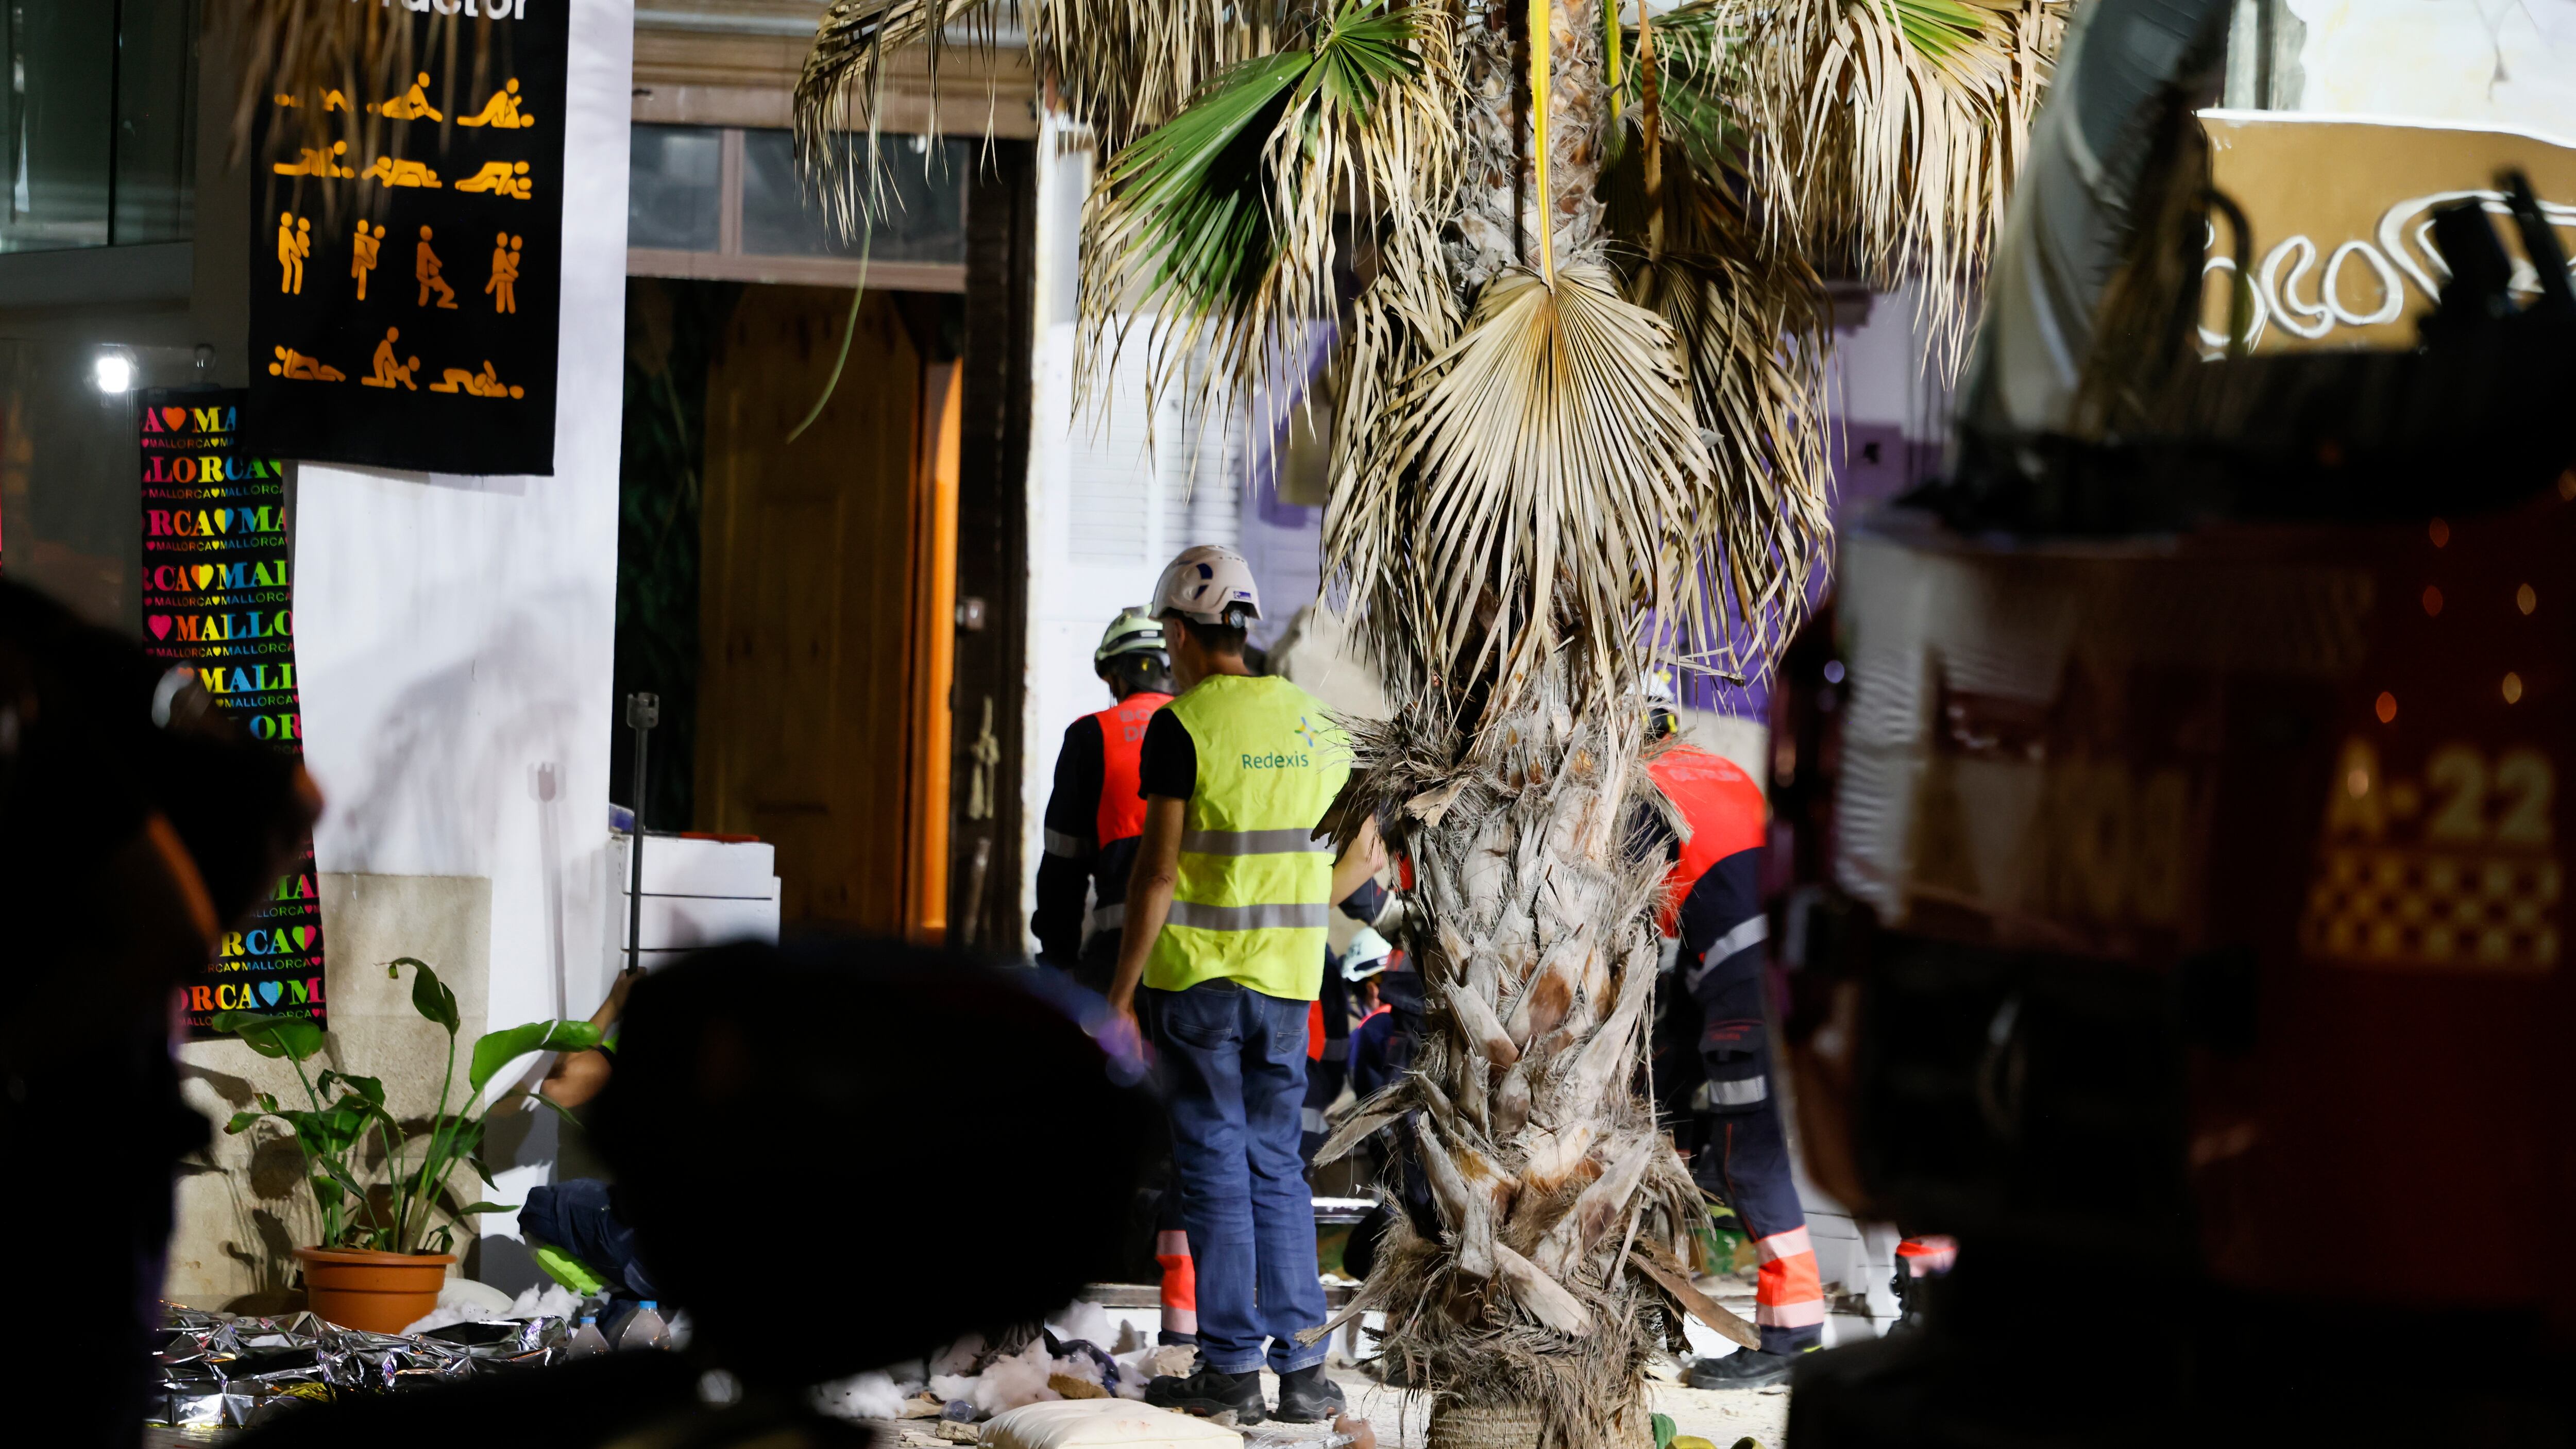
(1234, 1069)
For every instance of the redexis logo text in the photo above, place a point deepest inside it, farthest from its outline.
(1276, 761)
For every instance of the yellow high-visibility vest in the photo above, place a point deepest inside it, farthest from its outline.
(1251, 897)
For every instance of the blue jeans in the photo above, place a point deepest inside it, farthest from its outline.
(1234, 1070)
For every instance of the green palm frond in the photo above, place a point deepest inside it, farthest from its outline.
(1216, 231)
(1699, 65)
(1524, 495)
(1942, 30)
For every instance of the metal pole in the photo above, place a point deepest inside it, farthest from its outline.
(643, 711)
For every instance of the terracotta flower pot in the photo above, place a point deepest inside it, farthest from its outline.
(379, 1292)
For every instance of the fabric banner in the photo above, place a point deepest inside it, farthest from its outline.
(219, 598)
(407, 252)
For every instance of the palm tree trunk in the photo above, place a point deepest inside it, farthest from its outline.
(1556, 1194)
(1500, 212)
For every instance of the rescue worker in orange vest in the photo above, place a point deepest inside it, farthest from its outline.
(1095, 816)
(1094, 819)
(1713, 1067)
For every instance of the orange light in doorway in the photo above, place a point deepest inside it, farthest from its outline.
(2526, 599)
(2513, 689)
(2387, 707)
(2432, 601)
(2441, 532)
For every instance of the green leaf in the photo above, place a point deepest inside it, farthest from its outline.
(371, 1088)
(495, 1050)
(272, 1036)
(241, 1122)
(429, 996)
(483, 1207)
(267, 1101)
(341, 1177)
(1192, 188)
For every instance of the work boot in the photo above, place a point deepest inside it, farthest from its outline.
(1210, 1391)
(1307, 1396)
(1746, 1368)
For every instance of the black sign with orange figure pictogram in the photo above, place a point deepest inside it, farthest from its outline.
(406, 256)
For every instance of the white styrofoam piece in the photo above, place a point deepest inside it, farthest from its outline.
(1104, 1424)
(677, 866)
(681, 923)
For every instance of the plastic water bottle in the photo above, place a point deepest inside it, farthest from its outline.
(588, 1339)
(645, 1329)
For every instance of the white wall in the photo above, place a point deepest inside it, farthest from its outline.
(1110, 497)
(455, 633)
(2494, 62)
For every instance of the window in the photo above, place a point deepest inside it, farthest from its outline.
(727, 203)
(100, 123)
(673, 189)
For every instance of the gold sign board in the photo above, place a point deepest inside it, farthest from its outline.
(2341, 211)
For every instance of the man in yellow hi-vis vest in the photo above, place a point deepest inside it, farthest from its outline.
(1225, 932)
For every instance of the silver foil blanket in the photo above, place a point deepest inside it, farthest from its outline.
(219, 1370)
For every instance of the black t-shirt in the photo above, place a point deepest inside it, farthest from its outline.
(1167, 763)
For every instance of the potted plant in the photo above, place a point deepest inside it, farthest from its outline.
(385, 1245)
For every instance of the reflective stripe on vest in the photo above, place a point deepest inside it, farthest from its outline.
(1249, 897)
(1121, 812)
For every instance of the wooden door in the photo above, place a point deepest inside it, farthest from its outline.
(816, 578)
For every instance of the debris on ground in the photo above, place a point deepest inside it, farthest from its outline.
(976, 1378)
(1105, 1424)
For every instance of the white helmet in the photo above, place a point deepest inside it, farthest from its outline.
(1663, 715)
(1211, 584)
(1367, 956)
(1134, 631)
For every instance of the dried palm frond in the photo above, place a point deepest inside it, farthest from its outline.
(1216, 232)
(1750, 319)
(842, 90)
(1126, 66)
(1888, 132)
(1527, 493)
(1118, 67)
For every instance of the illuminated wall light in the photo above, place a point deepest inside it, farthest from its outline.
(2387, 707)
(2432, 601)
(2567, 485)
(2525, 599)
(115, 374)
(2513, 689)
(2441, 533)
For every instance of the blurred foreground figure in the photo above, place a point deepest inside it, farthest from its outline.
(135, 825)
(2167, 855)
(818, 1198)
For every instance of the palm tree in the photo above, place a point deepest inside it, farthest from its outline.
(1579, 434)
